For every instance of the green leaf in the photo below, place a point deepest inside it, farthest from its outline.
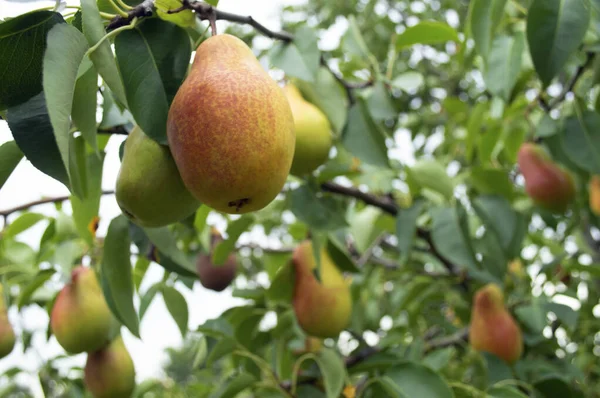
(451, 239)
(333, 371)
(234, 230)
(102, 57)
(177, 306)
(363, 138)
(165, 242)
(200, 218)
(27, 292)
(139, 271)
(581, 140)
(327, 94)
(426, 32)
(116, 269)
(23, 42)
(65, 50)
(491, 181)
(85, 210)
(31, 128)
(235, 385)
(153, 59)
(406, 228)
(320, 212)
(380, 103)
(84, 106)
(298, 58)
(408, 81)
(555, 28)
(416, 380)
(340, 256)
(10, 156)
(497, 369)
(547, 127)
(504, 64)
(505, 392)
(185, 18)
(147, 298)
(431, 174)
(553, 386)
(485, 16)
(567, 315)
(22, 223)
(282, 285)
(533, 316)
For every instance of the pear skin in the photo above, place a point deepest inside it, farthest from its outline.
(109, 372)
(493, 329)
(81, 320)
(149, 189)
(230, 129)
(594, 194)
(216, 277)
(324, 308)
(313, 133)
(548, 184)
(7, 333)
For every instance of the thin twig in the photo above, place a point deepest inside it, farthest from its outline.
(26, 206)
(142, 10)
(349, 87)
(457, 338)
(116, 130)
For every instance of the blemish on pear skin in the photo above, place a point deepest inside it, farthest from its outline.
(239, 203)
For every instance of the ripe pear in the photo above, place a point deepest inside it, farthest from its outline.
(149, 189)
(216, 277)
(81, 320)
(313, 133)
(493, 329)
(7, 334)
(231, 129)
(324, 308)
(548, 184)
(594, 194)
(109, 372)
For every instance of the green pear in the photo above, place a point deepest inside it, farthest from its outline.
(109, 372)
(149, 188)
(81, 320)
(313, 133)
(231, 129)
(493, 329)
(324, 308)
(7, 334)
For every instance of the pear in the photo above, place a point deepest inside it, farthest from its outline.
(149, 189)
(109, 372)
(216, 277)
(548, 184)
(313, 133)
(324, 308)
(493, 329)
(81, 320)
(230, 129)
(7, 334)
(594, 194)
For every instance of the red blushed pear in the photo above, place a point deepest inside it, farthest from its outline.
(216, 277)
(323, 308)
(594, 194)
(548, 184)
(493, 329)
(110, 372)
(81, 320)
(7, 333)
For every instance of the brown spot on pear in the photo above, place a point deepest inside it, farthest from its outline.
(548, 184)
(313, 133)
(324, 308)
(7, 333)
(149, 189)
(109, 372)
(81, 320)
(231, 129)
(493, 329)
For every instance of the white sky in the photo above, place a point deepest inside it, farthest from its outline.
(26, 184)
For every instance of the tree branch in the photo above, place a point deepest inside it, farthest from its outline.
(144, 9)
(118, 130)
(457, 338)
(7, 212)
(349, 87)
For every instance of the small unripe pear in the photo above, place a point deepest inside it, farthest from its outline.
(324, 308)
(548, 184)
(594, 194)
(7, 334)
(109, 372)
(81, 320)
(493, 329)
(216, 277)
(313, 133)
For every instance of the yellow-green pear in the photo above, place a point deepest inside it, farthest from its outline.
(109, 372)
(81, 320)
(149, 189)
(323, 308)
(313, 133)
(493, 329)
(7, 334)
(231, 129)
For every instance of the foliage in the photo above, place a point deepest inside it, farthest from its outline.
(421, 201)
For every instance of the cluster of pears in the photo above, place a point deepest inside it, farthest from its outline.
(7, 333)
(233, 135)
(323, 306)
(82, 323)
(492, 328)
(550, 185)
